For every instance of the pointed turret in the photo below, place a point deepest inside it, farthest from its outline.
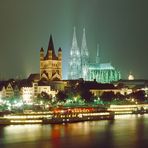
(98, 56)
(42, 54)
(60, 54)
(50, 51)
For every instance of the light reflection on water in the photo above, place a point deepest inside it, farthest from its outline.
(125, 131)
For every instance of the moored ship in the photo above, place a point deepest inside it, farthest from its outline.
(57, 116)
(25, 118)
(78, 115)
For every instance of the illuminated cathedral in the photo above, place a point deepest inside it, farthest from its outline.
(80, 67)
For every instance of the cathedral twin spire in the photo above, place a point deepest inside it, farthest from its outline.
(79, 66)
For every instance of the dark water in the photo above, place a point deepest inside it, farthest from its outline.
(124, 132)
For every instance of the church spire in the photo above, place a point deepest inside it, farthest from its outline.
(50, 45)
(74, 41)
(84, 50)
(75, 59)
(98, 56)
(84, 45)
(84, 56)
(51, 49)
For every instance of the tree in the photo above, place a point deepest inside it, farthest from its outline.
(119, 96)
(139, 95)
(44, 97)
(87, 96)
(61, 96)
(83, 91)
(107, 96)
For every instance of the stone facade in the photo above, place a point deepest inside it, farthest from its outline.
(50, 64)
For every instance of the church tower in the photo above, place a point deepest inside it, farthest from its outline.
(75, 59)
(50, 64)
(84, 57)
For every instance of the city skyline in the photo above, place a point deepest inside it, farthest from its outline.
(120, 28)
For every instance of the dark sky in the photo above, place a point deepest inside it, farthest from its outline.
(120, 26)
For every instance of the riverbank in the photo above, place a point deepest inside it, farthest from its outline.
(72, 114)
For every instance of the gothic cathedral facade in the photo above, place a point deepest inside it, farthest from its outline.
(80, 66)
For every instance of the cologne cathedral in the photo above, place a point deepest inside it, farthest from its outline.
(80, 67)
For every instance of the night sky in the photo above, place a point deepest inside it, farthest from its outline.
(119, 26)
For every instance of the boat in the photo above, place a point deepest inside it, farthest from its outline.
(78, 115)
(24, 118)
(57, 116)
(129, 109)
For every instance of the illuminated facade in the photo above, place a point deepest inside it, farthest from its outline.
(50, 64)
(130, 77)
(33, 89)
(75, 60)
(27, 93)
(84, 57)
(47, 89)
(24, 89)
(2, 92)
(9, 90)
(104, 73)
(80, 67)
(98, 92)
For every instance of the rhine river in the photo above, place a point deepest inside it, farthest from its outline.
(124, 132)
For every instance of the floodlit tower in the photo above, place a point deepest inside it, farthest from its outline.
(50, 64)
(75, 59)
(84, 57)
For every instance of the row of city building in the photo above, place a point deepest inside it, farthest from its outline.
(49, 80)
(32, 87)
(27, 89)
